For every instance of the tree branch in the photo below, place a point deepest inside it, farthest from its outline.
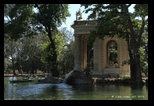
(129, 5)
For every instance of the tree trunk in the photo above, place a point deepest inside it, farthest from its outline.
(64, 67)
(132, 71)
(132, 65)
(13, 67)
(133, 46)
(54, 70)
(138, 77)
(14, 73)
(135, 68)
(136, 60)
(19, 64)
(89, 57)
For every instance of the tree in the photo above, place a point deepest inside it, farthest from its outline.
(49, 17)
(7, 53)
(116, 20)
(66, 62)
(31, 61)
(17, 20)
(144, 54)
(47, 51)
(68, 34)
(17, 23)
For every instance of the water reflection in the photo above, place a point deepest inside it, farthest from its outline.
(139, 92)
(33, 91)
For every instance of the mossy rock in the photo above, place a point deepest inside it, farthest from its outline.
(77, 78)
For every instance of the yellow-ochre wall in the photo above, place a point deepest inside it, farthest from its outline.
(100, 57)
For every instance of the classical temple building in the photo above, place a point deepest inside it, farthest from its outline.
(108, 54)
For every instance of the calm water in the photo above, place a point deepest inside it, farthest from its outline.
(34, 91)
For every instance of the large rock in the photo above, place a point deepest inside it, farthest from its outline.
(77, 78)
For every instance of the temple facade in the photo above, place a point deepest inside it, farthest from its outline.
(108, 54)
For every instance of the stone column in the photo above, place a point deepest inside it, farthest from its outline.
(75, 51)
(78, 52)
(96, 58)
(100, 55)
(120, 53)
(84, 52)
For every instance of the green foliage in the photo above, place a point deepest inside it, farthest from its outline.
(44, 50)
(51, 15)
(60, 42)
(7, 65)
(126, 62)
(66, 62)
(17, 20)
(65, 53)
(47, 50)
(20, 21)
(144, 54)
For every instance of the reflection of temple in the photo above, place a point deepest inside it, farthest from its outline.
(108, 54)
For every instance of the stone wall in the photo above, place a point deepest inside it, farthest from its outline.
(100, 56)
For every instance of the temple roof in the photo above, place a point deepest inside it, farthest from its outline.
(84, 22)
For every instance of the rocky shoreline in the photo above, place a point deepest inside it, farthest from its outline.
(80, 79)
(118, 81)
(11, 75)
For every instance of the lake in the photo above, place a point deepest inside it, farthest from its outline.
(62, 91)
